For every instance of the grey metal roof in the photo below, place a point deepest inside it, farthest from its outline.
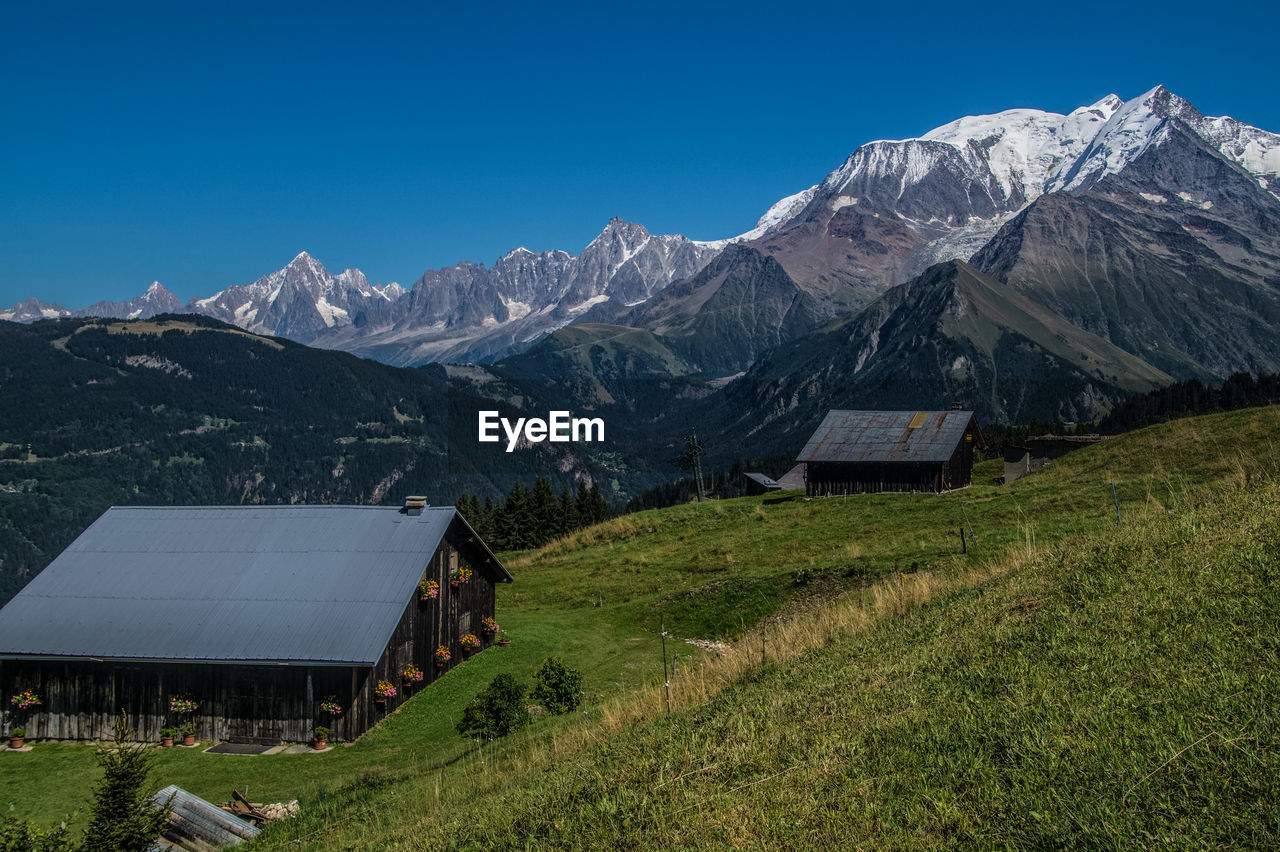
(793, 478)
(886, 436)
(322, 584)
(763, 481)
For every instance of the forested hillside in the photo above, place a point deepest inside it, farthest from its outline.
(185, 410)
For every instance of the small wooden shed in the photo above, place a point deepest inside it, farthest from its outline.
(867, 452)
(756, 484)
(257, 614)
(1019, 461)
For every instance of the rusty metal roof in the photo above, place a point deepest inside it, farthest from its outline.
(315, 584)
(887, 436)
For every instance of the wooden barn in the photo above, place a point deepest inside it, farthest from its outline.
(867, 452)
(257, 614)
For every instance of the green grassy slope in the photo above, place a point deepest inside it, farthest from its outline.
(1011, 690)
(1119, 693)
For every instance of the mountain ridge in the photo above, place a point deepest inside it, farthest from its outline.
(892, 209)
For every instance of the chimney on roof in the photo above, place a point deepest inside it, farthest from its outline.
(955, 406)
(413, 506)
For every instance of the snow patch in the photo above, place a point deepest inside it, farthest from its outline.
(330, 314)
(1154, 198)
(589, 304)
(515, 310)
(780, 213)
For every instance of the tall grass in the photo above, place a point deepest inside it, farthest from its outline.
(958, 703)
(841, 622)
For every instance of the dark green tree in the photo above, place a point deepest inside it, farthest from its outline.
(469, 507)
(544, 513)
(568, 513)
(497, 711)
(558, 688)
(583, 503)
(489, 521)
(124, 819)
(513, 521)
(598, 508)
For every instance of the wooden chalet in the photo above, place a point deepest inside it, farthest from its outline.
(867, 452)
(256, 613)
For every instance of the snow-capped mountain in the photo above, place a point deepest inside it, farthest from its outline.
(462, 312)
(1144, 121)
(895, 207)
(890, 210)
(156, 300)
(471, 312)
(30, 310)
(302, 301)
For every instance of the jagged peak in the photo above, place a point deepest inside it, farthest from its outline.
(620, 229)
(1166, 104)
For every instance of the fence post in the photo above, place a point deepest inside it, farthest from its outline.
(666, 678)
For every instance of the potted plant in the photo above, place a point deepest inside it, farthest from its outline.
(489, 628)
(188, 733)
(320, 737)
(469, 642)
(166, 737)
(428, 590)
(331, 706)
(412, 674)
(384, 690)
(442, 656)
(502, 639)
(15, 737)
(459, 575)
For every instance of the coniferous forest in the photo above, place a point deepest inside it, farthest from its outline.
(531, 517)
(189, 411)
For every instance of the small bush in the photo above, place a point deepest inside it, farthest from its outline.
(19, 836)
(559, 688)
(497, 711)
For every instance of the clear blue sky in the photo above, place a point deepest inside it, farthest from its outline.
(205, 144)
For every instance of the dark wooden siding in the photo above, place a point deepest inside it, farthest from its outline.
(80, 699)
(833, 479)
(245, 702)
(424, 627)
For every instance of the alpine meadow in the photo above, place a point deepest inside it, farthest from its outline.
(425, 499)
